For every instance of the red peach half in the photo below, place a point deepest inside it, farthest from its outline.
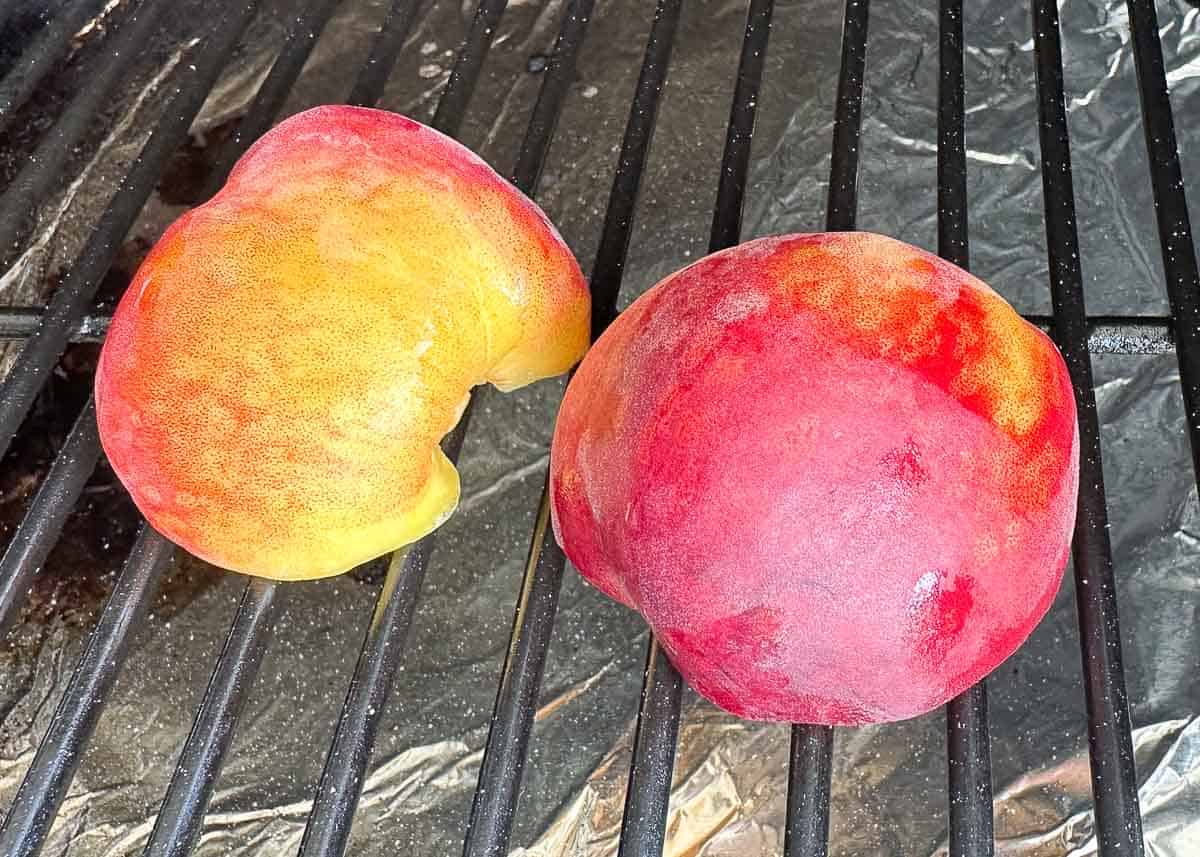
(836, 474)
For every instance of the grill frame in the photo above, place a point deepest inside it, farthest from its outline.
(1079, 336)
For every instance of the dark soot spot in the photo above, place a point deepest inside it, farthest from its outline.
(187, 172)
(97, 536)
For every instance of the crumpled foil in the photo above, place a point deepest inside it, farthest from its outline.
(889, 792)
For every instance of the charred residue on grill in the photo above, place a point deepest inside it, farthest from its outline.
(188, 172)
(79, 573)
(68, 74)
(16, 33)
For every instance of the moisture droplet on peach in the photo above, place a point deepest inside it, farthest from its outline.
(277, 378)
(836, 474)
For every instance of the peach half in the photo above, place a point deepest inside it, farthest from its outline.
(277, 377)
(836, 474)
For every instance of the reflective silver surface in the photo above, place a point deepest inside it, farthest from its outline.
(889, 794)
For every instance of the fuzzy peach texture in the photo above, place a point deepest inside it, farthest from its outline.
(277, 377)
(835, 473)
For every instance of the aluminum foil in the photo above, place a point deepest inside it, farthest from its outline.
(889, 794)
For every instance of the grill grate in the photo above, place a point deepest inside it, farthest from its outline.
(968, 749)
(46, 334)
(52, 42)
(1114, 783)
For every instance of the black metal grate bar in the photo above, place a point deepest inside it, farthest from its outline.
(1107, 334)
(70, 301)
(1114, 780)
(643, 827)
(51, 44)
(1170, 208)
(43, 522)
(842, 204)
(33, 182)
(969, 759)
(807, 831)
(373, 77)
(452, 106)
(622, 200)
(968, 751)
(181, 817)
(495, 803)
(953, 241)
(21, 322)
(1110, 334)
(560, 73)
(520, 681)
(301, 38)
(45, 784)
(735, 160)
(644, 823)
(341, 780)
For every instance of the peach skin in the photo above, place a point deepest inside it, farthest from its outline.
(836, 474)
(277, 377)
